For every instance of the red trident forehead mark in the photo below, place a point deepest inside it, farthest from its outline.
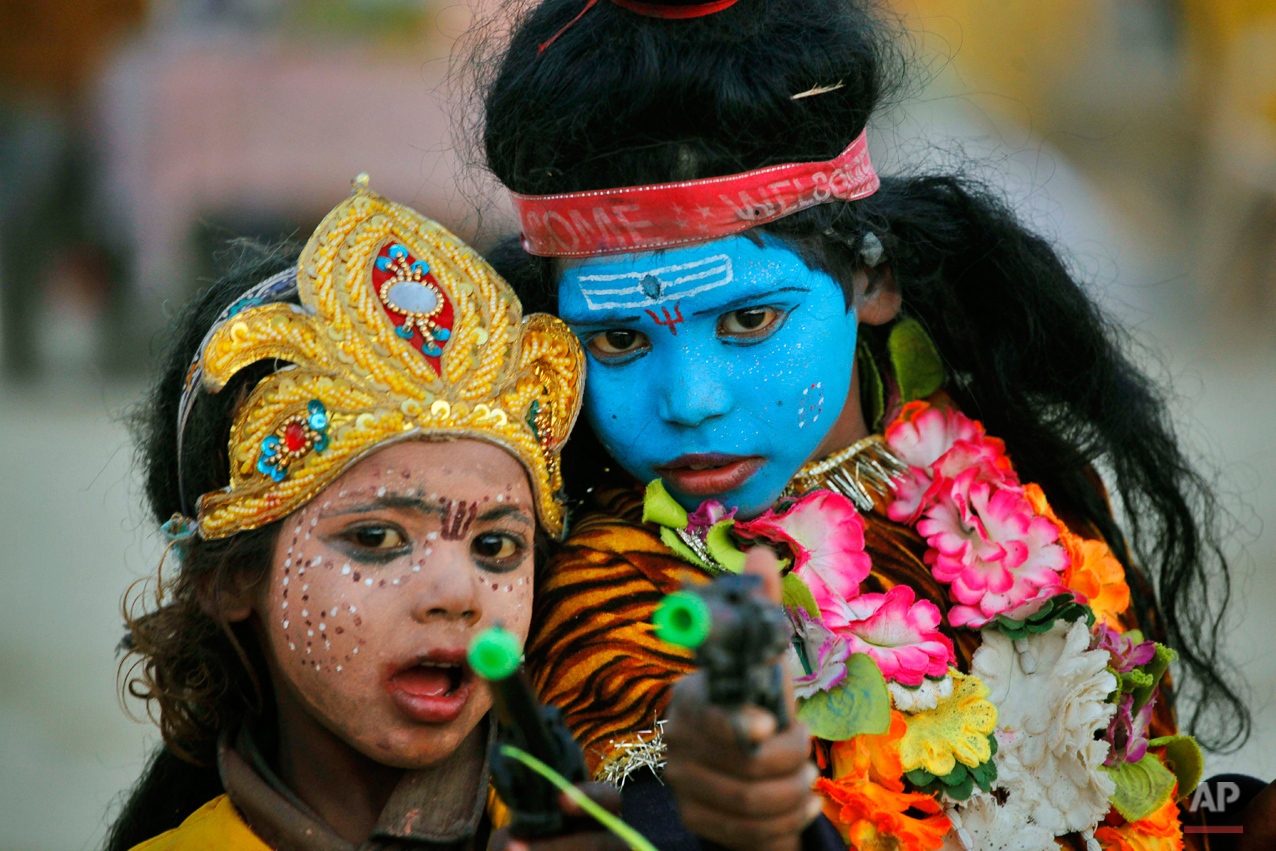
(669, 321)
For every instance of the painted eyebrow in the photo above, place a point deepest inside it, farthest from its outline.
(511, 511)
(749, 299)
(389, 501)
(604, 319)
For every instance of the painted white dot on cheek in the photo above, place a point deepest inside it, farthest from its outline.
(355, 651)
(285, 605)
(416, 568)
(285, 580)
(323, 627)
(305, 613)
(285, 624)
(431, 536)
(394, 582)
(345, 570)
(291, 646)
(352, 610)
(500, 497)
(338, 669)
(381, 491)
(368, 582)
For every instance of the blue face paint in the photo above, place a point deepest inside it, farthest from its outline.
(718, 367)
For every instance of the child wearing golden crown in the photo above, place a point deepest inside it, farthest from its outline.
(394, 425)
(358, 451)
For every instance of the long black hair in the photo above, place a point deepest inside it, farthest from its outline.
(620, 99)
(197, 674)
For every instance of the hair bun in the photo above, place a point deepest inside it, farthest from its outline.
(675, 8)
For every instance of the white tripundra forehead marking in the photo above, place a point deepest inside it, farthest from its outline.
(645, 287)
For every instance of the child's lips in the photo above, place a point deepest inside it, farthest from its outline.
(709, 474)
(434, 690)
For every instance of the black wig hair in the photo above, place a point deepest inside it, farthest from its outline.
(199, 673)
(619, 99)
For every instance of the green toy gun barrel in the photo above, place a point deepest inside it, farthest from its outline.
(495, 655)
(736, 638)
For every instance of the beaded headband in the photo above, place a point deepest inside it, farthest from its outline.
(403, 332)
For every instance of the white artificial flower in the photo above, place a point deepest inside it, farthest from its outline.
(981, 824)
(923, 698)
(1051, 696)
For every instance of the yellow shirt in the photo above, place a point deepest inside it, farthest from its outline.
(216, 826)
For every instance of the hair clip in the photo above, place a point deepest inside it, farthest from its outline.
(818, 90)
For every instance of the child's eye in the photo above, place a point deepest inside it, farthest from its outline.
(617, 344)
(750, 324)
(498, 551)
(377, 537)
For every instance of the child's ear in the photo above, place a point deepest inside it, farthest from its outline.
(877, 294)
(229, 598)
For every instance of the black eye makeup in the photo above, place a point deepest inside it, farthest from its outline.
(617, 345)
(748, 325)
(374, 541)
(498, 551)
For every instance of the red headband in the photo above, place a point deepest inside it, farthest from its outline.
(644, 218)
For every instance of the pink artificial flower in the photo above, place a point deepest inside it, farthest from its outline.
(923, 433)
(1126, 655)
(710, 512)
(938, 444)
(826, 536)
(990, 545)
(973, 617)
(899, 632)
(1128, 732)
(828, 659)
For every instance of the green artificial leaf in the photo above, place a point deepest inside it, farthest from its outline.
(1061, 607)
(1156, 668)
(1136, 679)
(659, 507)
(1183, 757)
(723, 549)
(796, 594)
(860, 704)
(872, 392)
(984, 773)
(1142, 787)
(919, 777)
(671, 540)
(919, 371)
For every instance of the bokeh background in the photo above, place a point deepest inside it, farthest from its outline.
(136, 137)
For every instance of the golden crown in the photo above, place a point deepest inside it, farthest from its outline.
(403, 332)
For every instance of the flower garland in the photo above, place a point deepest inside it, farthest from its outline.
(1046, 734)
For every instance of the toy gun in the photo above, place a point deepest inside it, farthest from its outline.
(495, 655)
(735, 636)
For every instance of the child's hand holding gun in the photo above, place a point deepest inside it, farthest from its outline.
(738, 762)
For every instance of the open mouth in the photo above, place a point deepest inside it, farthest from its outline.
(434, 690)
(710, 473)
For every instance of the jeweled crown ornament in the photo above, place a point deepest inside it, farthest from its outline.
(403, 332)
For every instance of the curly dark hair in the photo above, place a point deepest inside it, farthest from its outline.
(620, 99)
(196, 673)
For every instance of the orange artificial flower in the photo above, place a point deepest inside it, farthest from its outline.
(1093, 573)
(1160, 831)
(871, 817)
(867, 801)
(1099, 577)
(872, 757)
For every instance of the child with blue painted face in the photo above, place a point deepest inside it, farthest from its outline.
(889, 381)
